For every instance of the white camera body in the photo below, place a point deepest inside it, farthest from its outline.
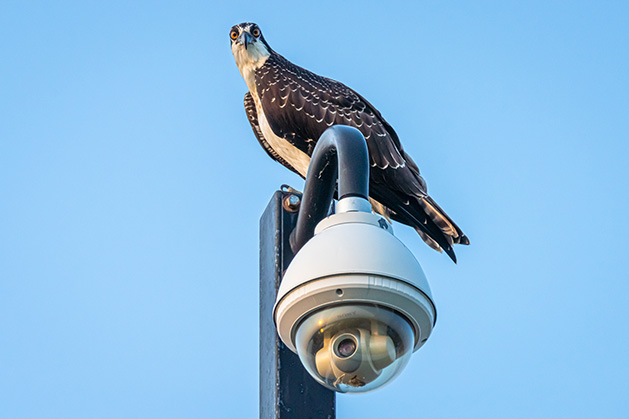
(354, 302)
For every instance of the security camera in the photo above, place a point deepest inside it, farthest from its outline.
(354, 303)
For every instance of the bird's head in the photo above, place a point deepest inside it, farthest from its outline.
(248, 46)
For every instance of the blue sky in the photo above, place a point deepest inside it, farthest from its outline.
(132, 187)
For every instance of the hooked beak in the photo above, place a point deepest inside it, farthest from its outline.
(245, 38)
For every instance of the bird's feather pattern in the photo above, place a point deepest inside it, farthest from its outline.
(300, 105)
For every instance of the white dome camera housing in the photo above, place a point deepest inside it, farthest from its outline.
(354, 303)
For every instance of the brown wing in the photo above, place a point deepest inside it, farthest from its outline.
(300, 105)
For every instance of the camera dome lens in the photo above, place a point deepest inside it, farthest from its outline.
(354, 348)
(346, 347)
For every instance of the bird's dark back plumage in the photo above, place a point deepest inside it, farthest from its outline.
(300, 105)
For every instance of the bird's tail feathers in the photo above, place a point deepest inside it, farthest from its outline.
(413, 214)
(450, 230)
(428, 240)
(429, 220)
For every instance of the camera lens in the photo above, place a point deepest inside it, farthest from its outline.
(346, 347)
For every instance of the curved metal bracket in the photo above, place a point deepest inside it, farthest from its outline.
(341, 153)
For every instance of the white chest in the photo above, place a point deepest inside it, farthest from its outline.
(297, 158)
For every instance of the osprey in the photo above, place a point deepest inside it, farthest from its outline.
(290, 107)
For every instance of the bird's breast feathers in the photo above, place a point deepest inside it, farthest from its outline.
(297, 158)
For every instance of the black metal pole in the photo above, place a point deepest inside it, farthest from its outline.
(287, 391)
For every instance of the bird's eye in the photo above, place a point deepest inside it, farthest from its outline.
(255, 32)
(234, 34)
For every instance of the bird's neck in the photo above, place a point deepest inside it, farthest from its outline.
(249, 61)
